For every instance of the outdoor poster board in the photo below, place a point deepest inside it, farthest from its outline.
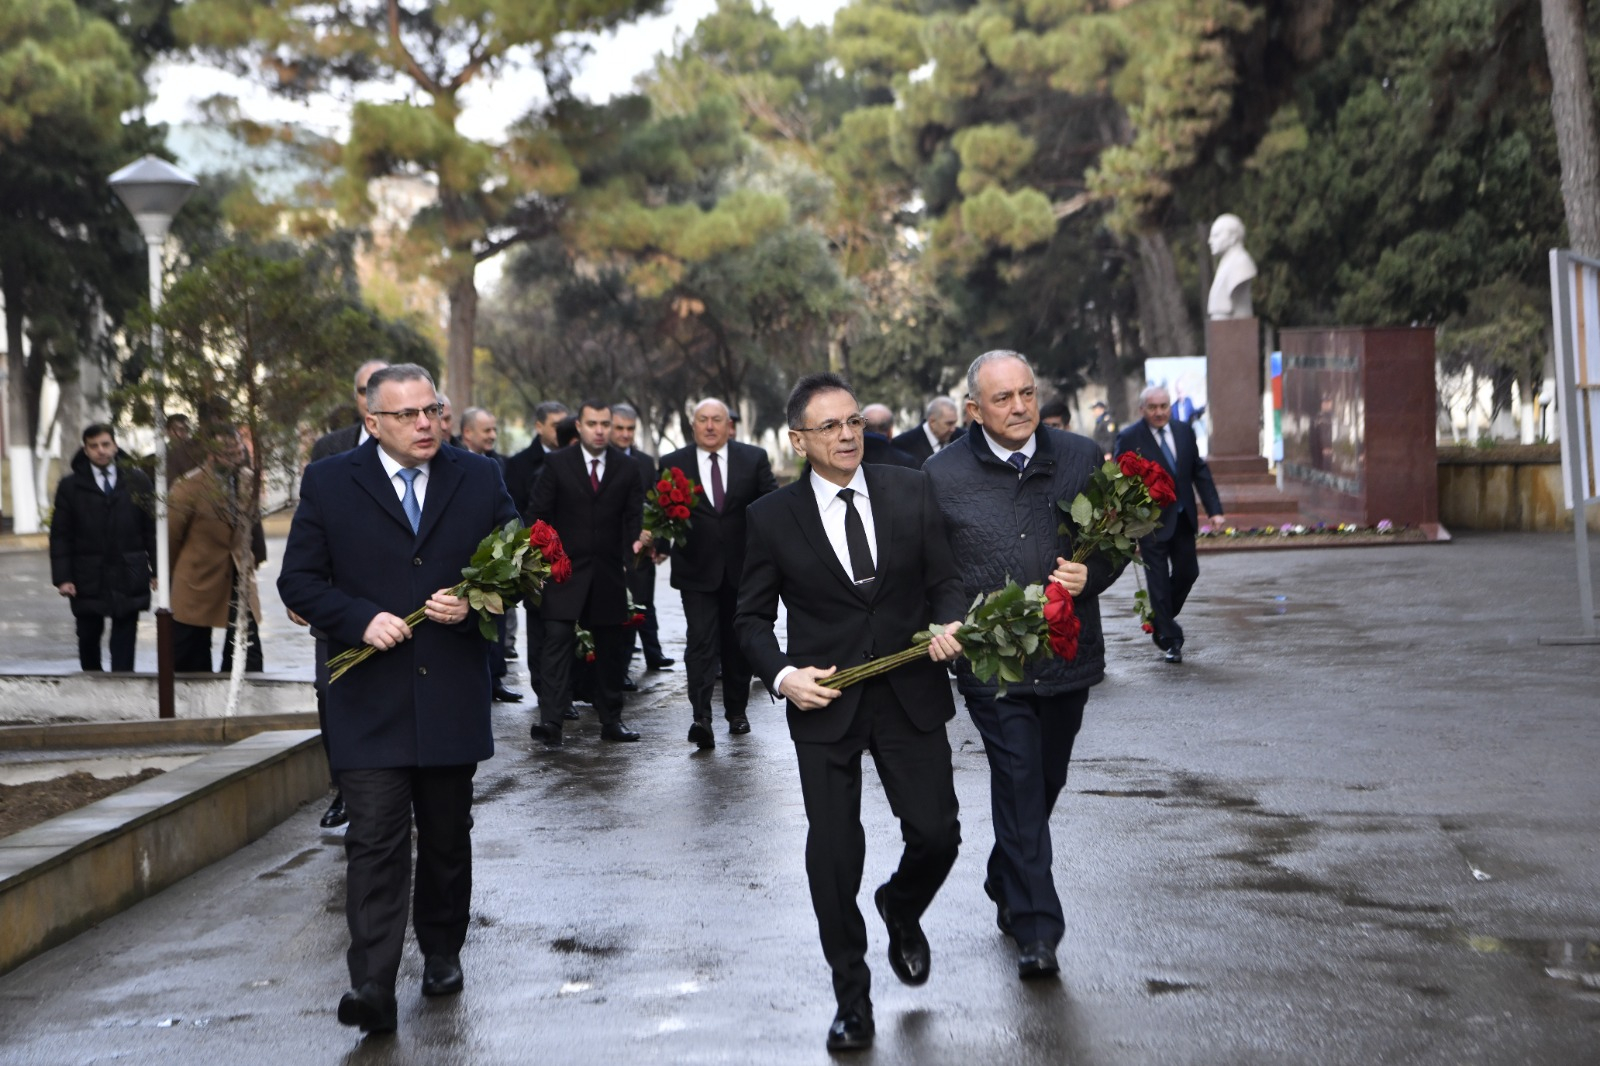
(1575, 294)
(1184, 378)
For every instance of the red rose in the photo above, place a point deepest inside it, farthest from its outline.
(1148, 628)
(634, 621)
(1062, 620)
(588, 658)
(678, 496)
(560, 569)
(678, 511)
(1132, 464)
(664, 485)
(542, 536)
(678, 477)
(1159, 483)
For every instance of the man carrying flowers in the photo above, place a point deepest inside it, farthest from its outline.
(859, 557)
(999, 490)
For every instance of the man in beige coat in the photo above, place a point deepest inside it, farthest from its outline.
(212, 544)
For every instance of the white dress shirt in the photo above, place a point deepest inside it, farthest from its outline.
(1004, 454)
(832, 509)
(927, 431)
(105, 477)
(703, 462)
(393, 469)
(588, 459)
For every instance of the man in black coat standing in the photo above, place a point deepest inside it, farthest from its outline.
(594, 498)
(1173, 565)
(378, 531)
(937, 430)
(859, 558)
(103, 547)
(707, 565)
(998, 489)
(642, 578)
(342, 440)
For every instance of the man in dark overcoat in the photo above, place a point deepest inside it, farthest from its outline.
(103, 547)
(593, 496)
(706, 565)
(859, 558)
(379, 531)
(642, 578)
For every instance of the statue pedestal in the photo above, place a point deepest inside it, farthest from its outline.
(1249, 493)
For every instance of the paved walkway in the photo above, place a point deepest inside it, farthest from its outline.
(1357, 826)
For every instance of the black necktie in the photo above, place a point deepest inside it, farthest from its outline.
(855, 539)
(105, 478)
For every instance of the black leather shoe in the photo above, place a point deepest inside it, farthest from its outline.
(1002, 909)
(549, 732)
(700, 733)
(506, 695)
(660, 665)
(441, 975)
(1037, 960)
(909, 955)
(571, 714)
(851, 1029)
(617, 731)
(335, 815)
(1175, 654)
(739, 726)
(370, 1007)
(630, 685)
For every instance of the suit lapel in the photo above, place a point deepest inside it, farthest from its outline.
(883, 527)
(803, 502)
(444, 477)
(370, 476)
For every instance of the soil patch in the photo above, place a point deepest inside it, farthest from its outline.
(27, 805)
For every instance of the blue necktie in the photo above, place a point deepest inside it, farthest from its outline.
(1166, 450)
(409, 500)
(1018, 460)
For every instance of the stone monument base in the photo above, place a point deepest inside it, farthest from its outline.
(1250, 496)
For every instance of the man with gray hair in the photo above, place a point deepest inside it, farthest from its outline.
(1169, 553)
(937, 431)
(342, 440)
(707, 565)
(997, 490)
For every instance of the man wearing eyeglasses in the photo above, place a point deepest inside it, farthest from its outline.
(859, 558)
(707, 565)
(380, 530)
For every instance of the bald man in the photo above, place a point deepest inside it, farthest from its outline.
(707, 566)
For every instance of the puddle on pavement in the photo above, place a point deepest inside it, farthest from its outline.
(1574, 962)
(1158, 987)
(571, 945)
(291, 864)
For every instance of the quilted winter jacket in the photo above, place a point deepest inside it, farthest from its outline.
(1004, 525)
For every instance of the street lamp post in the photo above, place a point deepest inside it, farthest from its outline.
(154, 190)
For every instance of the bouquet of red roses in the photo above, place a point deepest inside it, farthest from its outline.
(1121, 504)
(1003, 632)
(511, 564)
(668, 506)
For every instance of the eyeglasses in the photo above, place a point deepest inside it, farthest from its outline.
(432, 413)
(833, 426)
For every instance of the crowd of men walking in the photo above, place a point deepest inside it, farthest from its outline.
(879, 537)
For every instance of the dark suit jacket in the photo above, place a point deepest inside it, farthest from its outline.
(522, 472)
(914, 442)
(597, 530)
(340, 440)
(832, 622)
(1191, 475)
(714, 551)
(351, 554)
(642, 578)
(877, 449)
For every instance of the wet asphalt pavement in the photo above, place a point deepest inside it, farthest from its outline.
(1357, 826)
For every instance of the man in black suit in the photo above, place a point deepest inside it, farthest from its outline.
(879, 449)
(342, 440)
(378, 531)
(937, 430)
(480, 430)
(707, 565)
(594, 498)
(1169, 553)
(859, 557)
(642, 578)
(522, 472)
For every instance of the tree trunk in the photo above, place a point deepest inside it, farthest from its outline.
(1163, 314)
(1572, 106)
(463, 329)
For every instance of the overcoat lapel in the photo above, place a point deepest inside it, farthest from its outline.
(444, 477)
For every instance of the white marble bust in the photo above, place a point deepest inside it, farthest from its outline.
(1230, 288)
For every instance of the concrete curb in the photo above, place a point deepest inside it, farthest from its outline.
(63, 876)
(36, 699)
(68, 735)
